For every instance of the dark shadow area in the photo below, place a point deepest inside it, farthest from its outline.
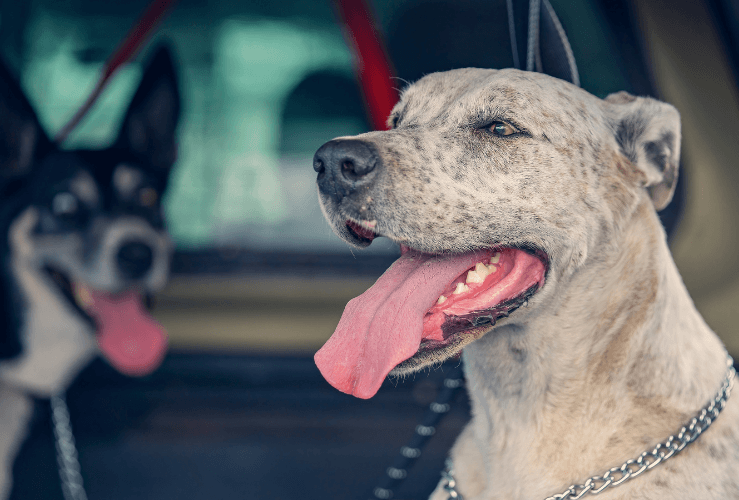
(441, 35)
(234, 427)
(319, 108)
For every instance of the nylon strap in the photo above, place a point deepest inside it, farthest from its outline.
(372, 63)
(134, 40)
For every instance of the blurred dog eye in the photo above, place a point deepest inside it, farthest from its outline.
(64, 204)
(148, 197)
(502, 129)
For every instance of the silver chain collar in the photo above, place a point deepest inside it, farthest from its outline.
(66, 451)
(647, 460)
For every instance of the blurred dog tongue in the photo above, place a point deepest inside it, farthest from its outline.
(129, 338)
(384, 326)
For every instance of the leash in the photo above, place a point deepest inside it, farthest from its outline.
(512, 33)
(548, 49)
(134, 40)
(66, 451)
(554, 53)
(532, 46)
(409, 454)
(630, 469)
(371, 61)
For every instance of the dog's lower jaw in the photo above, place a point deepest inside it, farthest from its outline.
(461, 334)
(436, 356)
(595, 382)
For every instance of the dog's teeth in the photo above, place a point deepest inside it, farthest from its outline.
(473, 277)
(461, 288)
(441, 300)
(495, 258)
(492, 268)
(482, 270)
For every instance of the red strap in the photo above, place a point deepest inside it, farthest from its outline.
(128, 48)
(372, 63)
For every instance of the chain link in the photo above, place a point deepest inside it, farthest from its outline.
(451, 484)
(647, 460)
(66, 451)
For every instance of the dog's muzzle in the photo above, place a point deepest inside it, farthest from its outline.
(134, 259)
(344, 166)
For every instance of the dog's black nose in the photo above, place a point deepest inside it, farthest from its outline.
(134, 259)
(343, 165)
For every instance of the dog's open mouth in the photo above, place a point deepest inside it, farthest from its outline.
(363, 231)
(129, 338)
(426, 308)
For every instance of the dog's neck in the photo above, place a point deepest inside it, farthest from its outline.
(619, 360)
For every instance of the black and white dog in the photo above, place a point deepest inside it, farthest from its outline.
(82, 241)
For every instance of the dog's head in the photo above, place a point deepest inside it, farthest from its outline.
(84, 237)
(497, 184)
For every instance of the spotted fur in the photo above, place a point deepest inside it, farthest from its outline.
(610, 357)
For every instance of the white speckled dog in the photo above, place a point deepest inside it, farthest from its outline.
(526, 213)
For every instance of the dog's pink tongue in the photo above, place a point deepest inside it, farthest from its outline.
(129, 338)
(384, 325)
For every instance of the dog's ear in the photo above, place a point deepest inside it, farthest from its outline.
(22, 140)
(150, 124)
(648, 133)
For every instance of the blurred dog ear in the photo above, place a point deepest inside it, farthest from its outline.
(150, 124)
(22, 140)
(22, 143)
(648, 133)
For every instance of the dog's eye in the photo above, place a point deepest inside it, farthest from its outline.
(64, 204)
(148, 197)
(502, 129)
